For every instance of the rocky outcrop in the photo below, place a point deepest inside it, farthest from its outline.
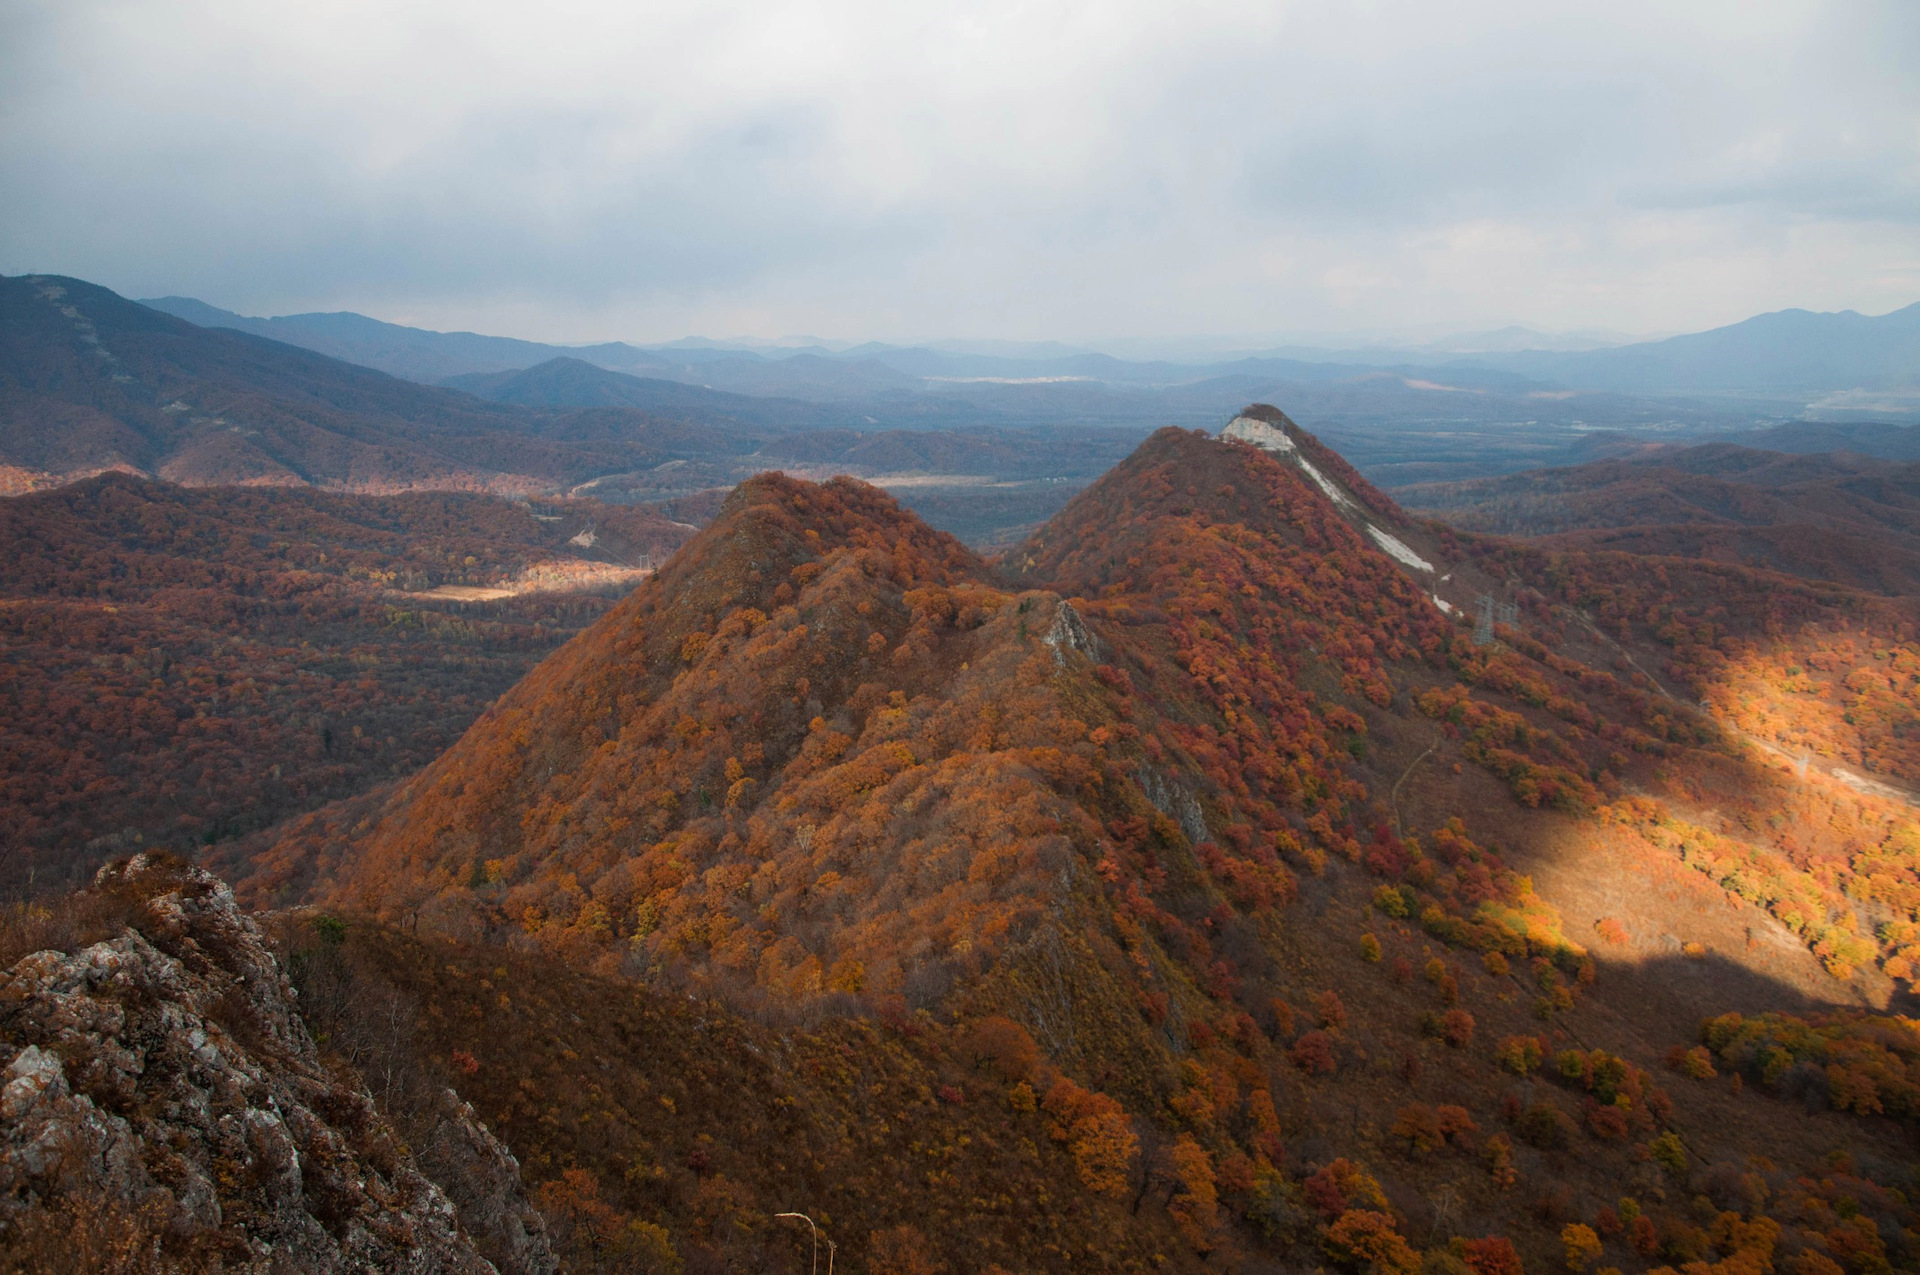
(482, 1179)
(161, 1102)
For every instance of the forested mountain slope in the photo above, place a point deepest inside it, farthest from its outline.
(1284, 889)
(1831, 516)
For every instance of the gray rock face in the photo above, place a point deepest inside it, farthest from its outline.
(160, 1098)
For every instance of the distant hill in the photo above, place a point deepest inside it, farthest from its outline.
(1835, 516)
(1788, 351)
(1868, 438)
(414, 353)
(430, 357)
(574, 382)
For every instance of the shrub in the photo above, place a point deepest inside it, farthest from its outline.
(1669, 1153)
(1456, 1124)
(1363, 1238)
(1581, 1245)
(1494, 1255)
(1417, 1123)
(1004, 1045)
(1608, 1123)
(1195, 1206)
(1518, 1054)
(1097, 1133)
(1544, 1125)
(1273, 1204)
(901, 1250)
(1313, 1054)
(1498, 1157)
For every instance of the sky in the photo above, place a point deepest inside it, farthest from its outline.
(1117, 171)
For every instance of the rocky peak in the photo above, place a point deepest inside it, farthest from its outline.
(160, 1099)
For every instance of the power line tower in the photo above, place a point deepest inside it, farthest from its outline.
(1487, 613)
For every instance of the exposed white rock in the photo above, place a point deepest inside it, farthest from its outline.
(1270, 437)
(1398, 548)
(1335, 492)
(1259, 433)
(1069, 632)
(1274, 438)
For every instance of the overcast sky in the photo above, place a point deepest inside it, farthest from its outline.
(644, 169)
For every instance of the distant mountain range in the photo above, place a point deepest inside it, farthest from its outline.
(413, 353)
(1406, 416)
(91, 382)
(1789, 352)
(573, 382)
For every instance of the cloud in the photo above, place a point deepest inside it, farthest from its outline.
(1047, 169)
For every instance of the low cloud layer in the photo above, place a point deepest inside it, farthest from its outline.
(1089, 171)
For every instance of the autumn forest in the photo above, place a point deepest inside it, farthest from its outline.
(1200, 883)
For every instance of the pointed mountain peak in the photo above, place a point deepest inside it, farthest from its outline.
(1271, 429)
(1263, 472)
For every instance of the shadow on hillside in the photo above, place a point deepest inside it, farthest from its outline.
(1689, 988)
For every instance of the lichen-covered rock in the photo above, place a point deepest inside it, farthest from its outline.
(161, 1101)
(482, 1178)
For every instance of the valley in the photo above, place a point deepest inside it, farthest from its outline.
(185, 665)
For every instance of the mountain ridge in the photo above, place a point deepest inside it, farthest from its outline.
(1161, 791)
(1791, 350)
